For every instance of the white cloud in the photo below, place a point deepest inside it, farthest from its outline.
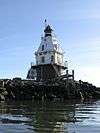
(89, 74)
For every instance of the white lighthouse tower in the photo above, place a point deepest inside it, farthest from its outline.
(49, 57)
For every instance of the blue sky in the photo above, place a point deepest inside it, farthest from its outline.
(76, 24)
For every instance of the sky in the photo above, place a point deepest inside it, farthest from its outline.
(76, 24)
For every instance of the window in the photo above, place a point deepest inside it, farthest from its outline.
(55, 45)
(52, 58)
(42, 59)
(42, 47)
(37, 62)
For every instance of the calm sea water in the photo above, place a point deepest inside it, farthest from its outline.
(50, 117)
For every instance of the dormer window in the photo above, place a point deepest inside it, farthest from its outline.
(42, 47)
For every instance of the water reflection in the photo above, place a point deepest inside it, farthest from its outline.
(49, 117)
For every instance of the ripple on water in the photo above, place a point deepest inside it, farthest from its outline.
(50, 117)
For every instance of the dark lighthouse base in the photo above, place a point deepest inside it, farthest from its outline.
(45, 72)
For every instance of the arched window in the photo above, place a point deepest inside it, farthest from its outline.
(42, 47)
(42, 59)
(52, 58)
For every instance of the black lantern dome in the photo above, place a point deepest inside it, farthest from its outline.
(48, 31)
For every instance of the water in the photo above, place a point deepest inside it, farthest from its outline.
(50, 117)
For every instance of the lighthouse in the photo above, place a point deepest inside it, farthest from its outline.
(49, 58)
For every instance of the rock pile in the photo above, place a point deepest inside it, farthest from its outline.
(18, 89)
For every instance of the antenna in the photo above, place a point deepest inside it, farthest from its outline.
(45, 23)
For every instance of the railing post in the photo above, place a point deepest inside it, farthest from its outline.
(67, 86)
(73, 75)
